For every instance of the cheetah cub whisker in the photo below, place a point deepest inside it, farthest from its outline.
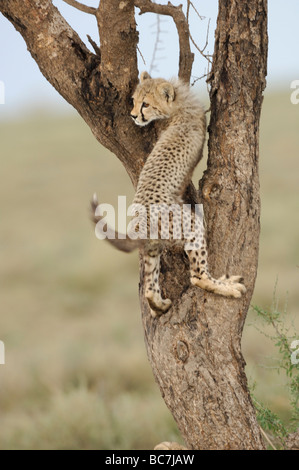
(164, 179)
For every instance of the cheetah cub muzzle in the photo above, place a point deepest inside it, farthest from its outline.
(162, 183)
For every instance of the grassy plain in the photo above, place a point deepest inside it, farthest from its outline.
(76, 373)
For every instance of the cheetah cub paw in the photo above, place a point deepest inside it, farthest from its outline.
(158, 305)
(231, 286)
(227, 286)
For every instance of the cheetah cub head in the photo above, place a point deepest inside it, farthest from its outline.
(153, 99)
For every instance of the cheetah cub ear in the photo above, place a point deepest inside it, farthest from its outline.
(144, 76)
(166, 91)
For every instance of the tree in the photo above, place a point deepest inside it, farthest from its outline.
(194, 349)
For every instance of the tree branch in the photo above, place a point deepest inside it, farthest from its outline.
(81, 7)
(87, 81)
(118, 39)
(58, 50)
(176, 12)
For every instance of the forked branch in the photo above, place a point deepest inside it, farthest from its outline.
(177, 14)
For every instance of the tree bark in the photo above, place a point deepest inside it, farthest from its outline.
(194, 349)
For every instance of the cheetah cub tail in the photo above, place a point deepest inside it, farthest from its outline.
(122, 243)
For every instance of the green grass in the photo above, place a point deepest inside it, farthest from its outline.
(76, 373)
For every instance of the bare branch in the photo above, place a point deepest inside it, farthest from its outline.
(206, 56)
(81, 7)
(191, 4)
(201, 51)
(176, 12)
(196, 79)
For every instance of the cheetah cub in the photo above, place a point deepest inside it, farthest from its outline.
(162, 183)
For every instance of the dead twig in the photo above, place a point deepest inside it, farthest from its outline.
(201, 51)
(189, 3)
(141, 55)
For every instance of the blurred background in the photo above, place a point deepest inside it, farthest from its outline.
(76, 373)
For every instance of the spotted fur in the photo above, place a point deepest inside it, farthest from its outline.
(163, 180)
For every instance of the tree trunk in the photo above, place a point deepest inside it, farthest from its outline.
(194, 349)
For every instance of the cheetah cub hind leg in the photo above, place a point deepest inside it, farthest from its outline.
(227, 286)
(157, 305)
